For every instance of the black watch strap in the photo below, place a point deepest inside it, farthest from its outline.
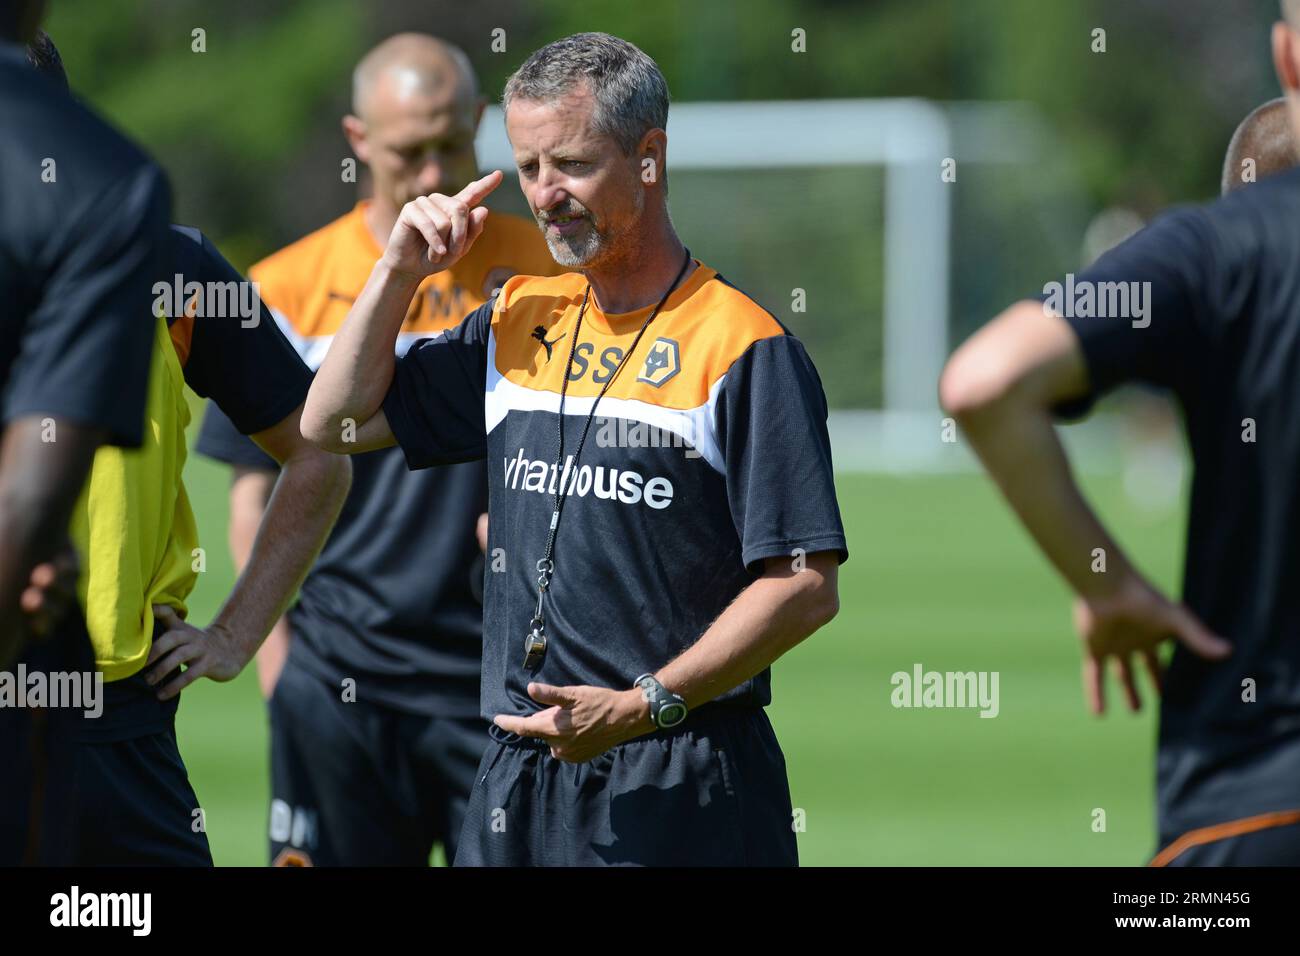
(666, 708)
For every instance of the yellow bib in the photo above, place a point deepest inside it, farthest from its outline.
(133, 526)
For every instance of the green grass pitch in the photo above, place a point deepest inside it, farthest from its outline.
(939, 574)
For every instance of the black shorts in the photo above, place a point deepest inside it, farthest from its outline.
(1268, 839)
(357, 784)
(108, 790)
(38, 759)
(712, 792)
(135, 805)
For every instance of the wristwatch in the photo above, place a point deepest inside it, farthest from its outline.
(666, 708)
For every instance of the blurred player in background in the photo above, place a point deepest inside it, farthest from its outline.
(1153, 449)
(135, 531)
(373, 676)
(79, 249)
(1220, 328)
(1264, 144)
(627, 648)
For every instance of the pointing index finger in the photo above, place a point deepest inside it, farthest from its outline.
(539, 724)
(480, 189)
(519, 726)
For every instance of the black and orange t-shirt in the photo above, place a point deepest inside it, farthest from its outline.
(392, 602)
(708, 455)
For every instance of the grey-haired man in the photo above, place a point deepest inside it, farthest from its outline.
(643, 589)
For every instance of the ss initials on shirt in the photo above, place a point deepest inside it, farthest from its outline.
(609, 360)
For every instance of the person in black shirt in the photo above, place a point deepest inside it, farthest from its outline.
(700, 536)
(83, 229)
(136, 531)
(83, 223)
(1205, 302)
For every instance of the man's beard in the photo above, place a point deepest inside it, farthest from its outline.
(575, 251)
(591, 245)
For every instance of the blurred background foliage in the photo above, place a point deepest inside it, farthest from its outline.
(249, 130)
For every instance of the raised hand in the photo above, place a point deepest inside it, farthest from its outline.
(433, 232)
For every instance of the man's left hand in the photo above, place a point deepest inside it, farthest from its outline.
(582, 722)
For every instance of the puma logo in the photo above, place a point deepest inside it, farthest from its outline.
(539, 333)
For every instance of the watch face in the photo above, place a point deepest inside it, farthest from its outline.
(670, 715)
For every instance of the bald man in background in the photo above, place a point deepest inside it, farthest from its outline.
(373, 676)
(1265, 139)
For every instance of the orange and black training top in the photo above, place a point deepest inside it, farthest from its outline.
(708, 455)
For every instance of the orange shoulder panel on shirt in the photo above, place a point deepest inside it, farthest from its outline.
(181, 331)
(313, 282)
(182, 335)
(703, 328)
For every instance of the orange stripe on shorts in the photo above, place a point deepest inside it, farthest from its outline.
(1221, 831)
